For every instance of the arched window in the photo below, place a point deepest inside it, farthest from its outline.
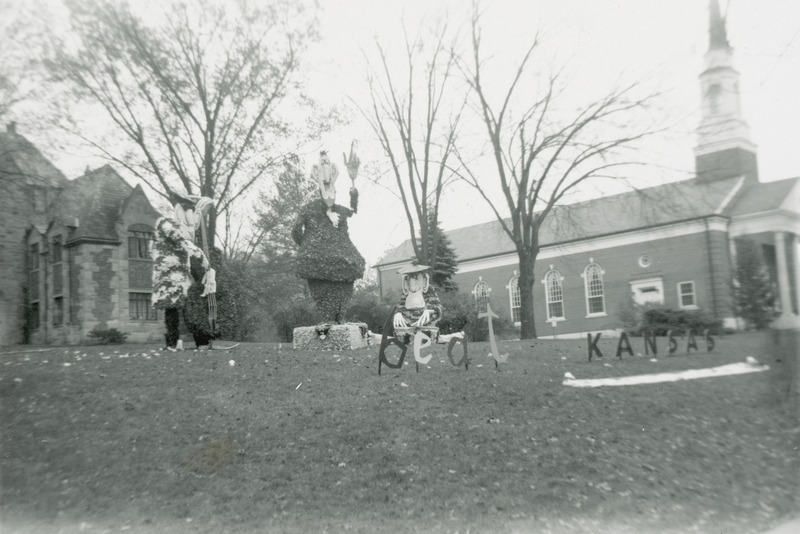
(514, 297)
(593, 281)
(481, 292)
(554, 294)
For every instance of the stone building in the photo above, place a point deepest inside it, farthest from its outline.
(75, 254)
(673, 244)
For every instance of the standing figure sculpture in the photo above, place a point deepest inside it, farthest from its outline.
(327, 259)
(179, 264)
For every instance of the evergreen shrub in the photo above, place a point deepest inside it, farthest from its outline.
(460, 312)
(108, 336)
(661, 319)
(297, 313)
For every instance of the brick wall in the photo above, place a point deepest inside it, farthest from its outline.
(15, 218)
(673, 260)
(105, 298)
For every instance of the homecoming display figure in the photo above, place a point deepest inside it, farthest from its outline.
(419, 306)
(175, 273)
(326, 258)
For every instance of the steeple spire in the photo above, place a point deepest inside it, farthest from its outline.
(724, 148)
(717, 36)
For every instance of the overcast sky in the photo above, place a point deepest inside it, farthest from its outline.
(600, 42)
(659, 42)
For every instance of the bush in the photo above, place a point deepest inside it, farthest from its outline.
(460, 312)
(292, 315)
(108, 336)
(367, 307)
(755, 293)
(660, 319)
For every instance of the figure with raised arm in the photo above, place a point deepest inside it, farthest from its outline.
(326, 258)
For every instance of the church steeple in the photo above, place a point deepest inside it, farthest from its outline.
(717, 35)
(724, 148)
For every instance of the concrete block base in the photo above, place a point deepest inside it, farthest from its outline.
(337, 337)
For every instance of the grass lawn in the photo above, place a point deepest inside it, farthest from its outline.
(131, 438)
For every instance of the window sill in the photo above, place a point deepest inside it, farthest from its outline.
(593, 315)
(556, 319)
(692, 307)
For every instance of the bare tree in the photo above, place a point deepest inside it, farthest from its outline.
(414, 117)
(21, 46)
(541, 152)
(196, 93)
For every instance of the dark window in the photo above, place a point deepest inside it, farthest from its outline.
(141, 307)
(58, 311)
(686, 294)
(34, 315)
(39, 199)
(57, 250)
(139, 245)
(35, 257)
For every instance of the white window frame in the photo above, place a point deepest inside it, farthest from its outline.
(692, 306)
(547, 295)
(658, 281)
(514, 297)
(481, 282)
(586, 289)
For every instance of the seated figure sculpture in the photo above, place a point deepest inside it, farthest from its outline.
(419, 306)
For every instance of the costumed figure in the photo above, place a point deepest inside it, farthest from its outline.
(174, 272)
(419, 306)
(327, 259)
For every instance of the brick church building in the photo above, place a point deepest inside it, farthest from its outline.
(74, 254)
(673, 244)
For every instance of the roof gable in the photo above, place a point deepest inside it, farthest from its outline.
(768, 196)
(634, 210)
(137, 204)
(20, 157)
(96, 200)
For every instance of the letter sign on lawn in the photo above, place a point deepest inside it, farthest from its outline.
(691, 343)
(593, 345)
(624, 344)
(501, 358)
(650, 343)
(464, 358)
(673, 343)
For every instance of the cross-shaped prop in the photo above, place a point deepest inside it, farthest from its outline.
(489, 314)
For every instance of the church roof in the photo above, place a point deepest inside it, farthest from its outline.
(20, 157)
(630, 211)
(761, 197)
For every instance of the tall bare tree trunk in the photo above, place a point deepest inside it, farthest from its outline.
(526, 281)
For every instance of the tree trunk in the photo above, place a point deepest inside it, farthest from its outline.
(212, 229)
(526, 281)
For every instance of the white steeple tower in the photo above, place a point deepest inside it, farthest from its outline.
(724, 148)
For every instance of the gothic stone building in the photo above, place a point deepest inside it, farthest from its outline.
(673, 244)
(75, 254)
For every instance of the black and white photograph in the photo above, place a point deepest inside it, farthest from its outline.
(400, 266)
